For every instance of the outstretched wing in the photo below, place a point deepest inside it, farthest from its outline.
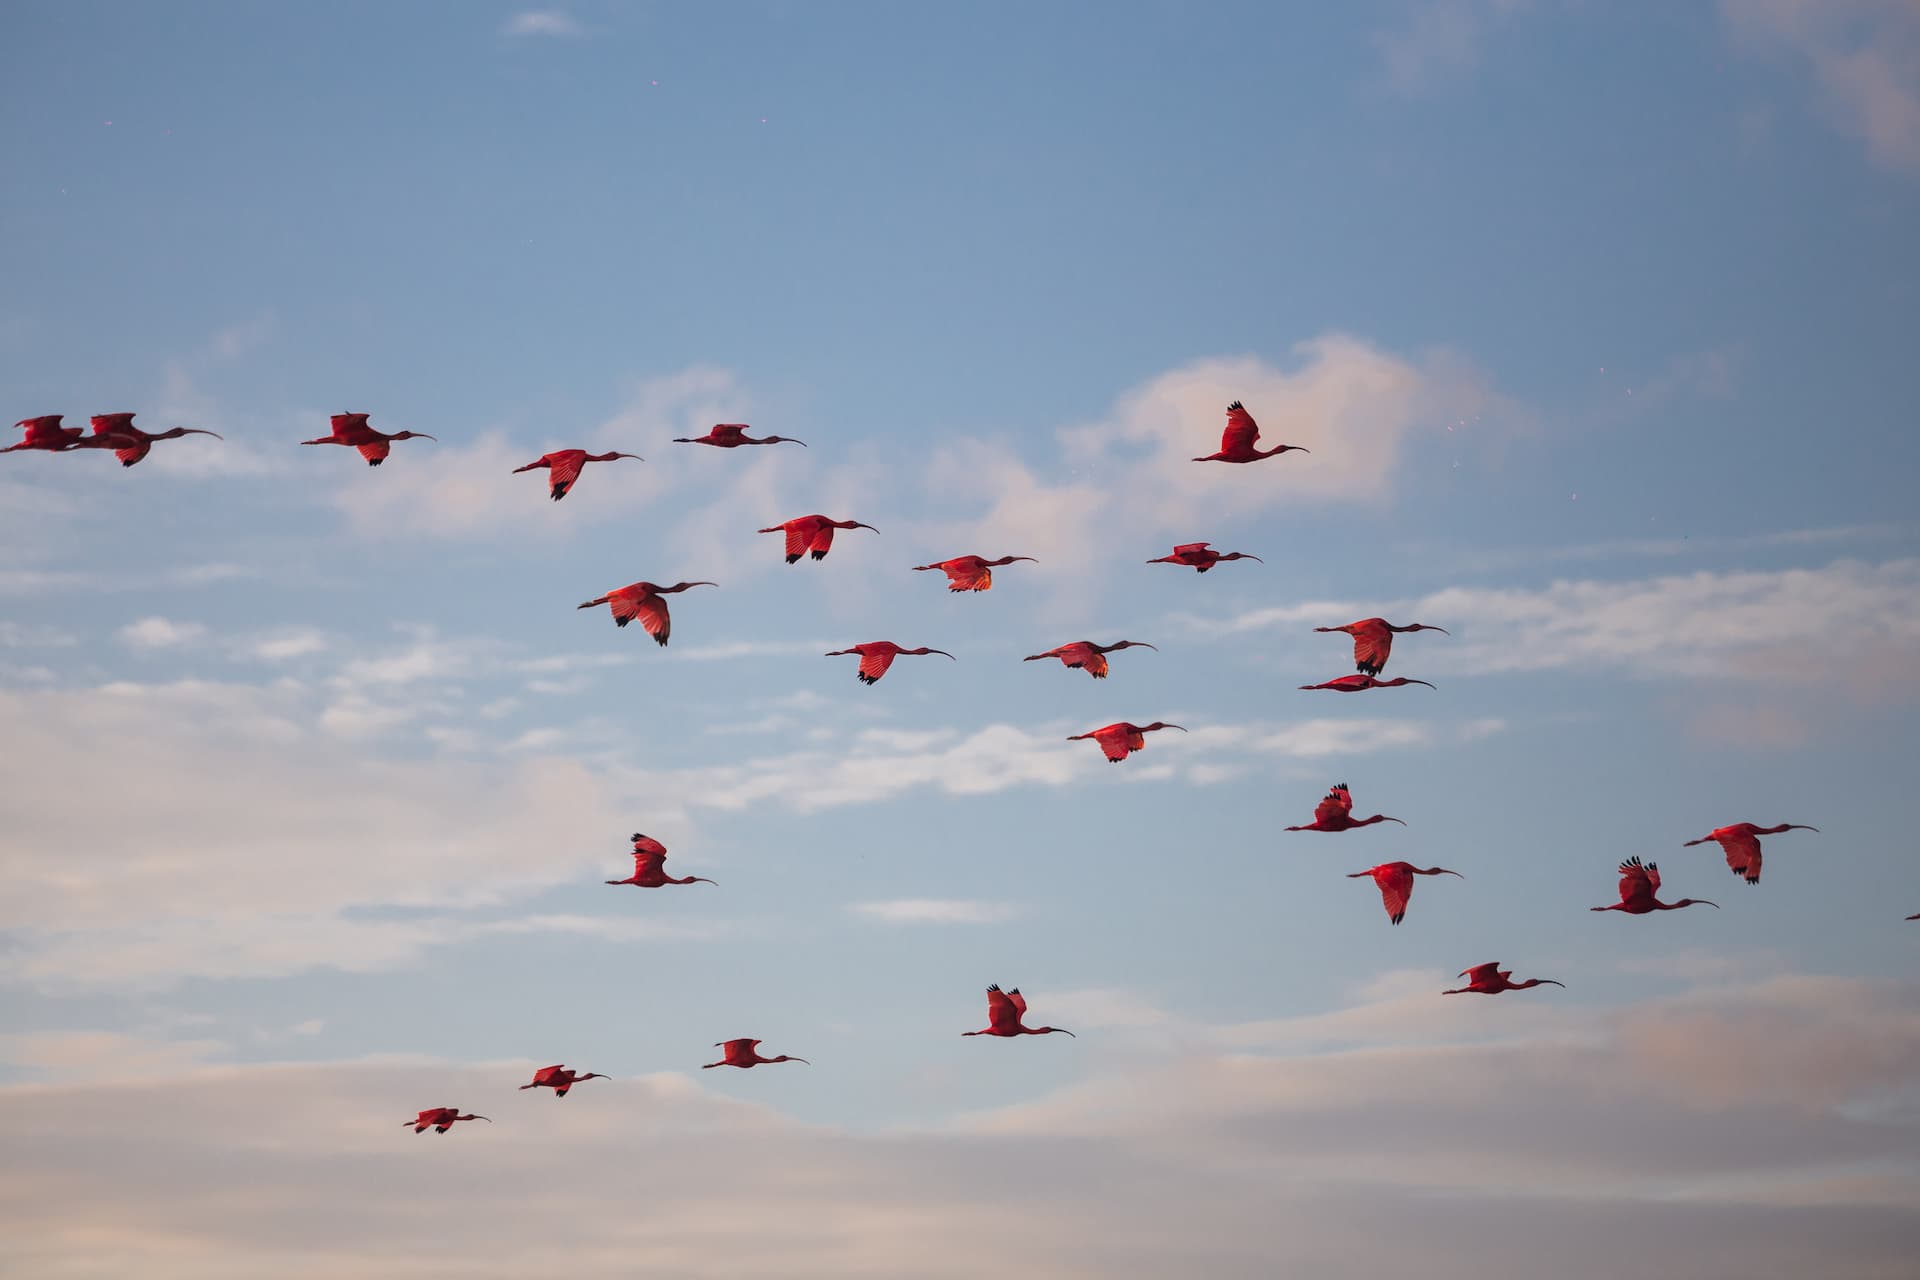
(1396, 886)
(1002, 1010)
(375, 451)
(1242, 431)
(653, 616)
(1337, 805)
(650, 845)
(1743, 853)
(1190, 548)
(1637, 883)
(1482, 974)
(821, 542)
(647, 861)
(132, 453)
(1096, 665)
(726, 432)
(1019, 1001)
(1372, 642)
(1118, 740)
(563, 469)
(799, 533)
(874, 662)
(967, 575)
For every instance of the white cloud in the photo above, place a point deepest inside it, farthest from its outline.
(1438, 39)
(282, 645)
(541, 22)
(160, 633)
(937, 911)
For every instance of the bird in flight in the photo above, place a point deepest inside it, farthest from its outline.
(1396, 884)
(812, 534)
(439, 1119)
(1242, 434)
(1490, 979)
(1742, 846)
(351, 429)
(731, 435)
(1639, 884)
(649, 866)
(969, 573)
(744, 1053)
(45, 432)
(877, 655)
(1087, 654)
(129, 443)
(559, 1079)
(1373, 641)
(642, 600)
(1004, 1011)
(1120, 740)
(1335, 813)
(563, 467)
(1201, 557)
(1354, 684)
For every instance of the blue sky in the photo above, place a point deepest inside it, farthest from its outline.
(1595, 320)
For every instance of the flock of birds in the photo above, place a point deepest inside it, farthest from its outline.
(812, 535)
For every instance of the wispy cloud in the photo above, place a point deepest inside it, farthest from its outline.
(937, 911)
(1436, 40)
(160, 633)
(541, 22)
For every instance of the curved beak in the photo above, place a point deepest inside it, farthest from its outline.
(636, 457)
(791, 440)
(858, 525)
(793, 1059)
(1256, 559)
(1142, 644)
(1796, 826)
(1028, 559)
(1442, 630)
(1443, 870)
(202, 431)
(1387, 819)
(436, 439)
(943, 653)
(1550, 982)
(487, 1119)
(1182, 728)
(1429, 684)
(1063, 1031)
(697, 584)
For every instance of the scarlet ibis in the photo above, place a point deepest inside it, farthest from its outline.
(45, 432)
(1200, 557)
(642, 600)
(1741, 846)
(439, 1119)
(559, 1079)
(1914, 917)
(812, 533)
(1238, 440)
(1085, 653)
(1638, 884)
(744, 1053)
(129, 443)
(1373, 641)
(1353, 684)
(1396, 884)
(1490, 979)
(970, 573)
(1122, 739)
(649, 866)
(877, 655)
(1335, 813)
(563, 467)
(374, 446)
(1004, 1011)
(731, 435)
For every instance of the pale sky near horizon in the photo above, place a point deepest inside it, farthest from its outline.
(1598, 321)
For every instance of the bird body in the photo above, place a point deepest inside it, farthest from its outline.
(1241, 435)
(129, 443)
(563, 467)
(1120, 740)
(1373, 641)
(649, 866)
(877, 655)
(744, 1053)
(1354, 684)
(1200, 556)
(969, 573)
(1741, 844)
(1396, 884)
(731, 435)
(559, 1079)
(642, 600)
(1639, 884)
(1005, 1009)
(812, 534)
(439, 1119)
(351, 429)
(1335, 813)
(1087, 654)
(1490, 979)
(45, 433)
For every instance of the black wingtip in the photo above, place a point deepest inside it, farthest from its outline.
(792, 559)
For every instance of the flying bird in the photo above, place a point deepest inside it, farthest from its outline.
(1742, 846)
(1490, 979)
(642, 600)
(812, 533)
(1200, 557)
(45, 432)
(559, 1079)
(1004, 1011)
(1242, 434)
(1122, 739)
(129, 443)
(649, 866)
(1335, 813)
(970, 573)
(1085, 653)
(731, 435)
(352, 429)
(563, 467)
(439, 1119)
(1396, 884)
(1638, 884)
(745, 1053)
(1373, 641)
(1353, 684)
(877, 655)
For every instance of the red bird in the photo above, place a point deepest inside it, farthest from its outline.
(1122, 739)
(731, 435)
(1200, 557)
(45, 432)
(970, 573)
(1004, 1011)
(374, 446)
(1638, 884)
(1742, 849)
(1353, 684)
(1396, 884)
(1335, 813)
(439, 1119)
(642, 600)
(649, 866)
(1085, 653)
(812, 533)
(1914, 917)
(1373, 641)
(1238, 440)
(744, 1053)
(129, 443)
(563, 467)
(1490, 979)
(877, 655)
(559, 1079)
